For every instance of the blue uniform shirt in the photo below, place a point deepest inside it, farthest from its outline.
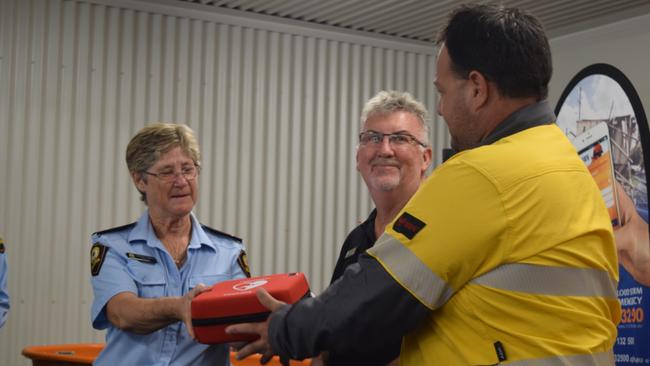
(4, 295)
(132, 259)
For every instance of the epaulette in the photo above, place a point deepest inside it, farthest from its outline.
(217, 232)
(114, 229)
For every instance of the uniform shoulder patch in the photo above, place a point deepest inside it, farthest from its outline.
(97, 255)
(242, 260)
(2, 246)
(221, 233)
(408, 225)
(114, 229)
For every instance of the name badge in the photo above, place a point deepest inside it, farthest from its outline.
(142, 258)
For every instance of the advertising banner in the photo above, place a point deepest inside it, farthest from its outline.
(601, 94)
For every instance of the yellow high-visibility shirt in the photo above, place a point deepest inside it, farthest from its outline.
(511, 246)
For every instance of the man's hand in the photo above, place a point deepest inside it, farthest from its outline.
(262, 344)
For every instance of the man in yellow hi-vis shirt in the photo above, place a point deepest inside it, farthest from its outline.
(504, 256)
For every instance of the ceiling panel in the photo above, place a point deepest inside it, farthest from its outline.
(421, 19)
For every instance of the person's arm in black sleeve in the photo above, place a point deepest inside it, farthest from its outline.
(362, 305)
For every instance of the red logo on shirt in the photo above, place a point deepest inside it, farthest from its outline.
(408, 225)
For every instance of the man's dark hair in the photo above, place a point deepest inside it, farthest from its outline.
(507, 45)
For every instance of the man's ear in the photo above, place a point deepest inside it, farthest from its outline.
(479, 89)
(427, 158)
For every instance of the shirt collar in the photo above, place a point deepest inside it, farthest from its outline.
(199, 237)
(143, 231)
(369, 228)
(532, 115)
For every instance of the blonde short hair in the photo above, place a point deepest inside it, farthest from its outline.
(154, 140)
(389, 101)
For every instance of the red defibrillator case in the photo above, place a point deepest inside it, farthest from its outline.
(234, 301)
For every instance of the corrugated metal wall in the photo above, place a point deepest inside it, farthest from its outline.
(275, 108)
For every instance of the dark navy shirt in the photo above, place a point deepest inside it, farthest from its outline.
(359, 239)
(357, 242)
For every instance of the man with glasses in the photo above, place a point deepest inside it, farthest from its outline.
(392, 157)
(145, 274)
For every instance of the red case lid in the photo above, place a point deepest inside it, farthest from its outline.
(234, 301)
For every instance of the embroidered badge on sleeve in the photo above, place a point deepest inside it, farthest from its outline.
(97, 255)
(243, 263)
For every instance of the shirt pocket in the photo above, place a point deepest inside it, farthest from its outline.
(149, 278)
(482, 353)
(207, 280)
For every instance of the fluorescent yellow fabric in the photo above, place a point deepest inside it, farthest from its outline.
(525, 199)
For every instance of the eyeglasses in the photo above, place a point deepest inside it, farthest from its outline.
(394, 139)
(168, 176)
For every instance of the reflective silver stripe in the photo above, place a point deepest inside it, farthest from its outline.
(409, 270)
(547, 280)
(597, 359)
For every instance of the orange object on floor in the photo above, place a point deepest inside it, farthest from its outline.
(254, 360)
(85, 353)
(63, 354)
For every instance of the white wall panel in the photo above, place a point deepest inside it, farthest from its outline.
(275, 108)
(622, 44)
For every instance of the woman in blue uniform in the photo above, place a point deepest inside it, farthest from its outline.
(145, 274)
